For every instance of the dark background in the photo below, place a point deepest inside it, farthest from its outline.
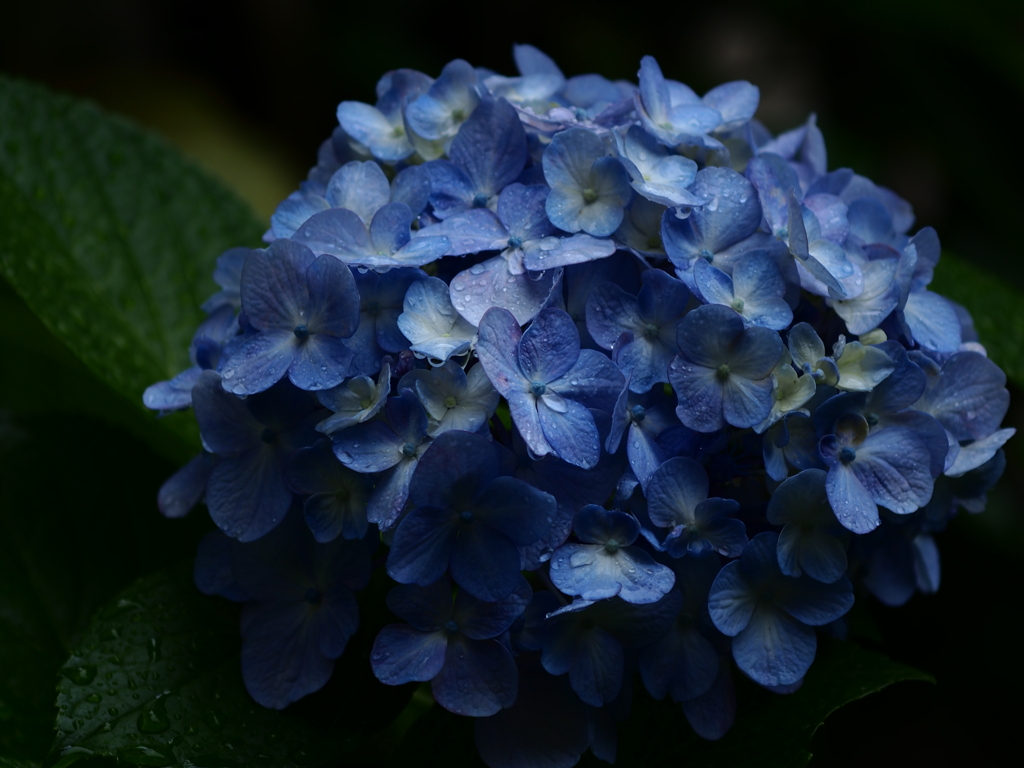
(924, 97)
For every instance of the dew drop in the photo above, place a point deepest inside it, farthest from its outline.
(81, 675)
(154, 717)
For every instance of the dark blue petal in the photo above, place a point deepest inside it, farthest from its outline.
(422, 546)
(479, 678)
(774, 649)
(402, 654)
(491, 146)
(484, 562)
(247, 495)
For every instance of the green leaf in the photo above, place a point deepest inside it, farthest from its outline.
(997, 309)
(78, 521)
(109, 236)
(770, 730)
(156, 680)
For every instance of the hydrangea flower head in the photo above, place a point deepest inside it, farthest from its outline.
(621, 381)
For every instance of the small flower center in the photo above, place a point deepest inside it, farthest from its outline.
(450, 627)
(723, 372)
(408, 450)
(651, 331)
(450, 401)
(480, 200)
(466, 516)
(589, 196)
(301, 332)
(611, 546)
(847, 455)
(268, 436)
(538, 389)
(706, 254)
(737, 304)
(515, 242)
(638, 412)
(871, 419)
(458, 115)
(313, 596)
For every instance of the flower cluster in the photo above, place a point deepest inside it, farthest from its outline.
(620, 380)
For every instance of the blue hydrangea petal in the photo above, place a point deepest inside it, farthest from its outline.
(746, 402)
(390, 494)
(225, 423)
(725, 535)
(572, 434)
(492, 284)
(390, 229)
(247, 495)
(425, 608)
(402, 654)
(675, 490)
(932, 321)
(281, 660)
(736, 102)
(732, 214)
(490, 146)
(368, 447)
(184, 489)
(549, 347)
(439, 112)
(261, 362)
(319, 363)
(774, 649)
(369, 126)
(517, 509)
(337, 231)
(682, 661)
(610, 311)
(478, 679)
(422, 546)
(552, 252)
(594, 524)
(430, 322)
(707, 334)
(470, 231)
(732, 600)
(547, 727)
(813, 602)
(451, 189)
(968, 396)
(411, 186)
(522, 211)
(481, 620)
(598, 668)
(294, 211)
(852, 502)
(592, 573)
(773, 179)
(273, 287)
(532, 61)
(497, 347)
(821, 555)
(174, 394)
(212, 572)
(361, 187)
(977, 453)
(485, 562)
(713, 713)
(700, 394)
(454, 472)
(893, 465)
